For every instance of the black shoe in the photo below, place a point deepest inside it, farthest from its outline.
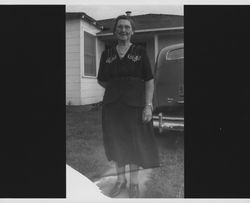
(134, 191)
(116, 190)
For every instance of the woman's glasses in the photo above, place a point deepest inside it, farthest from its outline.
(121, 27)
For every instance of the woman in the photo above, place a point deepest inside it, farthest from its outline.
(128, 137)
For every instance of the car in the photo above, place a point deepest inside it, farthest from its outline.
(168, 100)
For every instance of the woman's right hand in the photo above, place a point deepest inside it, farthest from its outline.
(147, 114)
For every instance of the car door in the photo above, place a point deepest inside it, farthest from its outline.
(169, 76)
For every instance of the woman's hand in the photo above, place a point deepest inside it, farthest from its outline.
(149, 90)
(147, 114)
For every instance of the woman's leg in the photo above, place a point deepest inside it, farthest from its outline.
(120, 170)
(134, 181)
(121, 181)
(134, 173)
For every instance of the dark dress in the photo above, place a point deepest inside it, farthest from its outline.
(127, 140)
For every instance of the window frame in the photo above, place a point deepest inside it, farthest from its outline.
(167, 59)
(84, 75)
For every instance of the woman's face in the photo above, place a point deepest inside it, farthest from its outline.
(123, 30)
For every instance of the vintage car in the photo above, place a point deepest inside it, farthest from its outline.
(168, 99)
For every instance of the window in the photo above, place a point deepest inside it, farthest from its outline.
(175, 54)
(89, 55)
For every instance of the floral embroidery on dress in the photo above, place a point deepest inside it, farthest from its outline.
(133, 56)
(110, 58)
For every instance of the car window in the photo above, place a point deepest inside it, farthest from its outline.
(175, 54)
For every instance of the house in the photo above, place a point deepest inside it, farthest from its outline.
(86, 39)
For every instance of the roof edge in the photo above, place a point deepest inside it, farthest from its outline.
(82, 15)
(144, 15)
(144, 30)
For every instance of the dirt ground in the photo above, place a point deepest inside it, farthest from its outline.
(85, 153)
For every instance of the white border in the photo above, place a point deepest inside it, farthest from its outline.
(126, 2)
(144, 2)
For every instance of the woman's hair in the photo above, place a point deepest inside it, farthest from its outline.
(124, 17)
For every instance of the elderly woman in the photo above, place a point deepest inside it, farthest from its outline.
(128, 134)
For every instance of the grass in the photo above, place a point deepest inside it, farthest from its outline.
(84, 146)
(168, 180)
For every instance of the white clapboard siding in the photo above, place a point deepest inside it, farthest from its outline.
(92, 92)
(72, 56)
(90, 100)
(72, 25)
(71, 71)
(73, 81)
(72, 87)
(73, 100)
(73, 34)
(72, 64)
(72, 93)
(72, 41)
(73, 48)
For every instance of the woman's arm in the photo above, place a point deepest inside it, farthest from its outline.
(149, 91)
(101, 77)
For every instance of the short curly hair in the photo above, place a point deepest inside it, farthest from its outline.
(124, 17)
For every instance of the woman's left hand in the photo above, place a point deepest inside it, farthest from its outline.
(147, 114)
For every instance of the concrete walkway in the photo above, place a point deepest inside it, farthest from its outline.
(107, 182)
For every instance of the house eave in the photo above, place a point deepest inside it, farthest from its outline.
(145, 30)
(85, 17)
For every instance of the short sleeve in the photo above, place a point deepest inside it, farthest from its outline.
(146, 69)
(101, 74)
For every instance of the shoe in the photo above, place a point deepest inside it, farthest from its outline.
(116, 190)
(134, 191)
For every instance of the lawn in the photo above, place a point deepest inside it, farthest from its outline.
(168, 180)
(84, 146)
